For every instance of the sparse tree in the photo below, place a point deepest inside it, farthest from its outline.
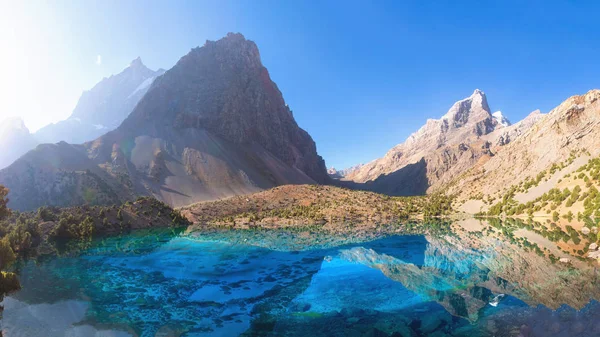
(4, 211)
(7, 256)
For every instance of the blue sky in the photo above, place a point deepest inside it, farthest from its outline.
(360, 76)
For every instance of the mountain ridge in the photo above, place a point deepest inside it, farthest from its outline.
(213, 126)
(431, 156)
(103, 107)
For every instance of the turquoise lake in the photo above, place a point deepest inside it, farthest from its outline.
(277, 283)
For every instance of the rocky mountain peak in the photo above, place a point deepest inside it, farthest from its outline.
(214, 125)
(472, 108)
(479, 99)
(223, 88)
(137, 63)
(234, 50)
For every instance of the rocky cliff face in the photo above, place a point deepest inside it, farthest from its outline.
(15, 140)
(103, 108)
(442, 149)
(213, 126)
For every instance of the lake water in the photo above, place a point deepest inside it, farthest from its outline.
(277, 283)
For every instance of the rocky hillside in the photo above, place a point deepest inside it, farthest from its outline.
(103, 108)
(15, 140)
(537, 160)
(213, 126)
(326, 207)
(301, 205)
(439, 151)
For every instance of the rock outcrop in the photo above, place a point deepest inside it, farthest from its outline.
(213, 126)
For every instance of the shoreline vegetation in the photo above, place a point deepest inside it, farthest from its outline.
(305, 205)
(56, 231)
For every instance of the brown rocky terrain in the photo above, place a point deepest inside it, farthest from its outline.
(213, 126)
(304, 205)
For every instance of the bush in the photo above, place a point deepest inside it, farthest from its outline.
(8, 283)
(7, 255)
(4, 211)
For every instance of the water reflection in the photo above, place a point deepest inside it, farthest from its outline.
(282, 283)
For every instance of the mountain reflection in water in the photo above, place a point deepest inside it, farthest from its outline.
(290, 283)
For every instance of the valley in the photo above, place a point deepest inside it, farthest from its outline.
(190, 201)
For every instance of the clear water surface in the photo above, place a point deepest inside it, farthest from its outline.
(277, 283)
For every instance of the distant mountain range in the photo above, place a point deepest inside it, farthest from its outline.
(213, 126)
(99, 110)
(15, 139)
(103, 108)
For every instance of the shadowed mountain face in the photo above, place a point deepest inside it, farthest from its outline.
(213, 126)
(103, 108)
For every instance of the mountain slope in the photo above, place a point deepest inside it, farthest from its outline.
(15, 140)
(557, 144)
(213, 126)
(437, 152)
(103, 108)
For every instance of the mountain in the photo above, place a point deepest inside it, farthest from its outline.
(103, 108)
(215, 125)
(540, 159)
(439, 151)
(15, 140)
(338, 174)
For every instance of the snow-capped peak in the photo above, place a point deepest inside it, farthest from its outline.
(137, 62)
(499, 117)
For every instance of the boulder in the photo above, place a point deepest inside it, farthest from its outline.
(594, 255)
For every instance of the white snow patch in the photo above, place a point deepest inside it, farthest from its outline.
(499, 117)
(144, 86)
